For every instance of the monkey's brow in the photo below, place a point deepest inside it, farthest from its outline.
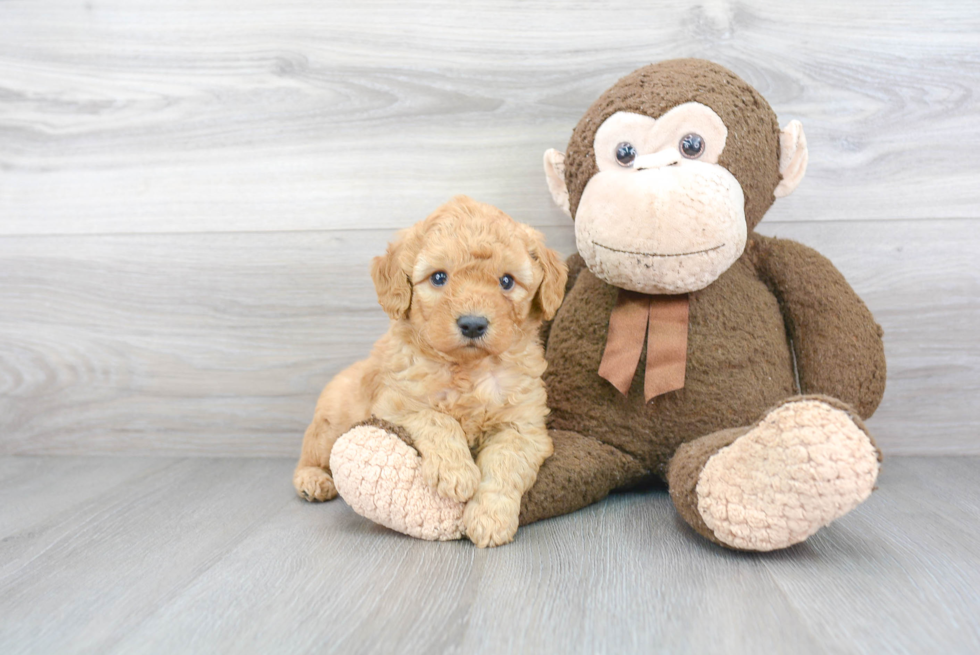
(656, 254)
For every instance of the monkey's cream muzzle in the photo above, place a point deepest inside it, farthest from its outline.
(665, 226)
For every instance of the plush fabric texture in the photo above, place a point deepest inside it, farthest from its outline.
(378, 473)
(839, 351)
(582, 471)
(781, 311)
(554, 169)
(687, 225)
(793, 158)
(752, 149)
(685, 470)
(687, 464)
(656, 139)
(804, 465)
(380, 476)
(739, 361)
(750, 462)
(738, 365)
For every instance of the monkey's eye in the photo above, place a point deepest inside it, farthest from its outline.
(506, 282)
(439, 278)
(625, 154)
(692, 146)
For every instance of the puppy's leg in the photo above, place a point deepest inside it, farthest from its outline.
(447, 464)
(509, 465)
(311, 478)
(344, 402)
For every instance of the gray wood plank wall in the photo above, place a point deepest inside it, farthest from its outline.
(190, 193)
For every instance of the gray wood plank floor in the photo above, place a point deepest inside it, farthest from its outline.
(165, 555)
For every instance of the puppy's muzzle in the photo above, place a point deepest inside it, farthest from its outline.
(472, 327)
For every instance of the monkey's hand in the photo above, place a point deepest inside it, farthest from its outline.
(379, 474)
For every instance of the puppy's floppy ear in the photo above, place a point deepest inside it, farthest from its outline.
(552, 289)
(392, 281)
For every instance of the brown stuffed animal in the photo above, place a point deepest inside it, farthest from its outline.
(735, 367)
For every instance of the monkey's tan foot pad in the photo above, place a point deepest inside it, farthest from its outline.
(804, 465)
(380, 477)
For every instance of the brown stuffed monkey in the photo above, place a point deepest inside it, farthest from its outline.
(736, 368)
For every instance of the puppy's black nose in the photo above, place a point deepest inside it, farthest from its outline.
(472, 327)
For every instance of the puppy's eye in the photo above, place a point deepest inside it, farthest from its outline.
(692, 145)
(439, 278)
(506, 282)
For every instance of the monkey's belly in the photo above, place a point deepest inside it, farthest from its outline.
(738, 365)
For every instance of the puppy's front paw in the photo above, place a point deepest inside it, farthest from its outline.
(453, 477)
(314, 484)
(491, 520)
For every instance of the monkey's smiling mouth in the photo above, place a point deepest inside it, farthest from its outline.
(656, 254)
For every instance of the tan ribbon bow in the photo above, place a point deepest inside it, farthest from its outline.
(666, 336)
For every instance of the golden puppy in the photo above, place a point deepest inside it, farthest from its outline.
(460, 367)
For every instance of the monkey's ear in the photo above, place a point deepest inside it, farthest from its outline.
(793, 156)
(552, 289)
(391, 281)
(554, 172)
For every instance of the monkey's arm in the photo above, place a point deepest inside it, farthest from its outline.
(575, 265)
(835, 338)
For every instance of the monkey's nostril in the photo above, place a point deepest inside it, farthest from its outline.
(472, 327)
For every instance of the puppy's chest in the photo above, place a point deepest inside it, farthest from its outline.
(476, 399)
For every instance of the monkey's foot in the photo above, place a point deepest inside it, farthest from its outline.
(380, 477)
(804, 465)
